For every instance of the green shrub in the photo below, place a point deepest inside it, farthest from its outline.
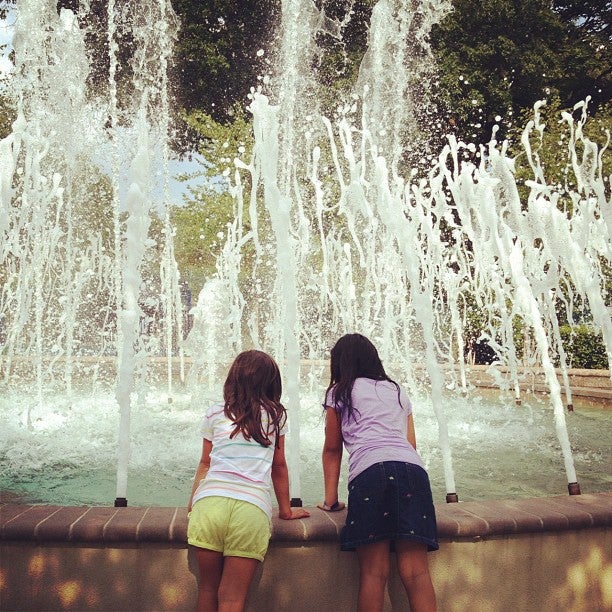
(584, 347)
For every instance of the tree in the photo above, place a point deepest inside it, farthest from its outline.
(592, 16)
(338, 67)
(497, 57)
(216, 54)
(215, 62)
(200, 227)
(588, 57)
(201, 222)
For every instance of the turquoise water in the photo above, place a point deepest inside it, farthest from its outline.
(68, 454)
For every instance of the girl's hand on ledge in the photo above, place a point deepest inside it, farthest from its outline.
(294, 513)
(335, 507)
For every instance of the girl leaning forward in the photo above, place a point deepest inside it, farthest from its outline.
(230, 508)
(390, 503)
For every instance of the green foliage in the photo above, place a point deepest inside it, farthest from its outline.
(584, 346)
(94, 23)
(91, 194)
(588, 56)
(201, 222)
(498, 57)
(220, 143)
(217, 51)
(337, 68)
(509, 54)
(200, 227)
(593, 15)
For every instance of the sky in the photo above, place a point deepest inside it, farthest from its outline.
(6, 37)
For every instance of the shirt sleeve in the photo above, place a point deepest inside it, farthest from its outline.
(328, 402)
(405, 401)
(207, 423)
(284, 430)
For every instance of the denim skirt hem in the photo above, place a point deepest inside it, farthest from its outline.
(351, 546)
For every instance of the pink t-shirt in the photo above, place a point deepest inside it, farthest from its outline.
(378, 432)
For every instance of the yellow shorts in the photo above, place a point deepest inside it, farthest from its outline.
(233, 527)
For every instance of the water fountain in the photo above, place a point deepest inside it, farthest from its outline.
(340, 233)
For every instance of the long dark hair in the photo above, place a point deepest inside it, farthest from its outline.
(254, 384)
(353, 356)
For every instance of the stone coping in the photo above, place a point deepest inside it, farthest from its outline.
(134, 526)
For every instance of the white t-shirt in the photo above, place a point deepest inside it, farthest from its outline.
(239, 468)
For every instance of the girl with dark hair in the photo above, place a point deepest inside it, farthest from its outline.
(390, 502)
(243, 455)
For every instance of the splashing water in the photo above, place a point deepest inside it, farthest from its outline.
(69, 455)
(73, 283)
(345, 233)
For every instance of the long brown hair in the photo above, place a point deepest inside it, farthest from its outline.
(254, 384)
(353, 356)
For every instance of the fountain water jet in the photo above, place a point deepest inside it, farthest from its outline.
(54, 136)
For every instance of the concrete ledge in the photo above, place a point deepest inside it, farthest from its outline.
(592, 384)
(471, 520)
(100, 525)
(520, 555)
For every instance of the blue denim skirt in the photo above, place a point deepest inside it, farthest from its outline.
(390, 500)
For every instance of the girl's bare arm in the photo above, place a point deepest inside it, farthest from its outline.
(411, 433)
(332, 456)
(202, 470)
(280, 480)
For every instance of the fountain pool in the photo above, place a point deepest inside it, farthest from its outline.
(68, 455)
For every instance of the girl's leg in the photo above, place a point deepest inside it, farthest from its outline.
(210, 563)
(238, 573)
(373, 575)
(413, 569)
